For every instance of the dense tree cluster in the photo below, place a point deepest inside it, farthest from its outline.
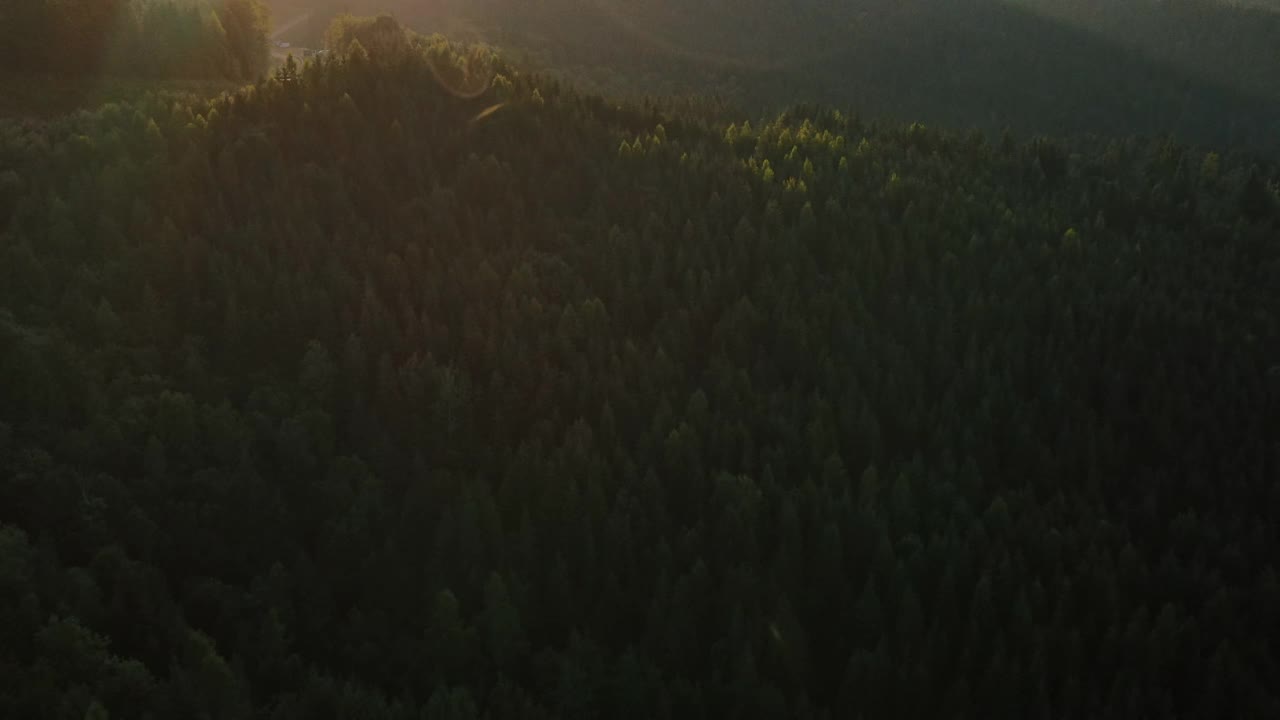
(147, 38)
(330, 400)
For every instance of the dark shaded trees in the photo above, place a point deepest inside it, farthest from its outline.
(328, 398)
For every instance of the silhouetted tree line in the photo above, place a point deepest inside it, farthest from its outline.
(147, 38)
(328, 400)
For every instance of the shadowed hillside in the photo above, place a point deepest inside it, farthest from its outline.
(406, 385)
(1204, 71)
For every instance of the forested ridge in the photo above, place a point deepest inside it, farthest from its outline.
(1205, 70)
(344, 396)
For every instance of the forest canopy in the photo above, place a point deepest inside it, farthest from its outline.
(349, 395)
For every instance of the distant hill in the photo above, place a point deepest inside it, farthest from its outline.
(154, 39)
(1203, 70)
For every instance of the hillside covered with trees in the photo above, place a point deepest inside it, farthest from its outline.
(370, 392)
(1202, 69)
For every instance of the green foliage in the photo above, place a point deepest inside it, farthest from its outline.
(382, 36)
(337, 397)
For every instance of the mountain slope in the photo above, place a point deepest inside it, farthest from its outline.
(345, 396)
(1201, 70)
